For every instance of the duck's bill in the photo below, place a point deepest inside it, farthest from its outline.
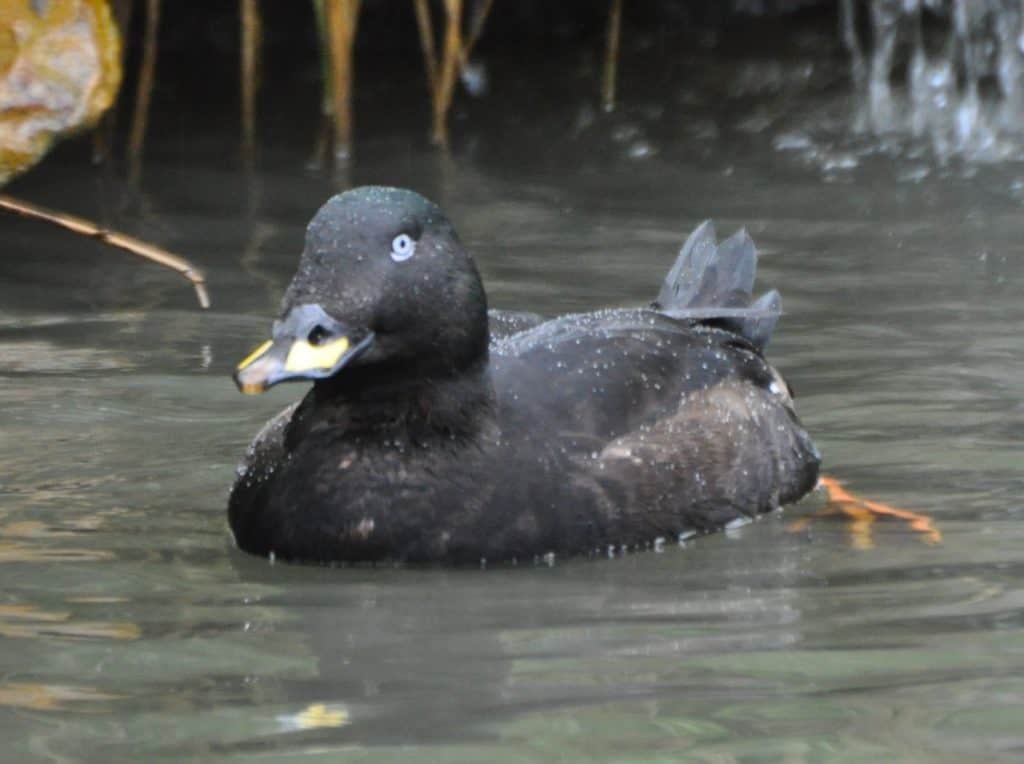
(285, 358)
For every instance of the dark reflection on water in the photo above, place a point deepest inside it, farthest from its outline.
(133, 631)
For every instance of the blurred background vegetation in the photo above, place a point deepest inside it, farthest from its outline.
(67, 66)
(61, 61)
(934, 80)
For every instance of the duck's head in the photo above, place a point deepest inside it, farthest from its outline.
(383, 281)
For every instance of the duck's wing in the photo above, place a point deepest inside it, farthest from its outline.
(725, 454)
(674, 425)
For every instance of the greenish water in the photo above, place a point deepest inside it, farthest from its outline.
(131, 630)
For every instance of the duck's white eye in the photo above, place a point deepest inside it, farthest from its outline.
(402, 247)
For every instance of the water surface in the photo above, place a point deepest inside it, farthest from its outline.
(132, 630)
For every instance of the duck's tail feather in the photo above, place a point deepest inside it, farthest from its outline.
(715, 282)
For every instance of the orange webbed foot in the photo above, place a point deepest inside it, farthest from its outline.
(863, 513)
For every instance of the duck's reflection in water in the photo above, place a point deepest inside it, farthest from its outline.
(395, 666)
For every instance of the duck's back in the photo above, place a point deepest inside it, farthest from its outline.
(609, 372)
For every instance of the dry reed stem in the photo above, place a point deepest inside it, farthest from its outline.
(251, 31)
(475, 31)
(144, 91)
(321, 143)
(138, 247)
(611, 55)
(443, 73)
(449, 71)
(426, 28)
(342, 17)
(325, 130)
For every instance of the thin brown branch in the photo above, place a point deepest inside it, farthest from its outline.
(323, 141)
(342, 18)
(450, 68)
(443, 74)
(251, 27)
(138, 247)
(144, 90)
(426, 28)
(477, 28)
(611, 55)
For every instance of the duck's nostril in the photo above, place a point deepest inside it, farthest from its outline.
(317, 335)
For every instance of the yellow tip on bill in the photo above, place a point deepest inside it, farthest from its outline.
(252, 389)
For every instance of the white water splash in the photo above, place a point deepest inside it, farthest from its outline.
(946, 71)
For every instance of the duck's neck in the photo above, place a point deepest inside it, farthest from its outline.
(405, 403)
